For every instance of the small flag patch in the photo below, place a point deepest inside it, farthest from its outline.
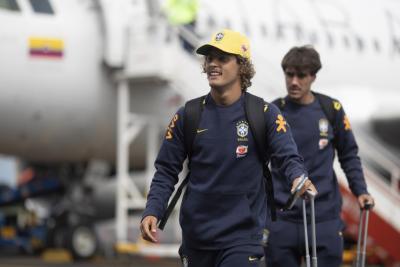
(46, 47)
(241, 151)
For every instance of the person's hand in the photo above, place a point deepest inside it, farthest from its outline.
(366, 199)
(308, 186)
(148, 228)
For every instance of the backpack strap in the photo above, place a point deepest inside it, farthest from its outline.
(326, 103)
(280, 102)
(254, 109)
(331, 113)
(191, 120)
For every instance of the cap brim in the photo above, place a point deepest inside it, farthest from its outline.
(204, 49)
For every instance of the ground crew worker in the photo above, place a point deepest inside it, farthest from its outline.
(224, 207)
(183, 13)
(317, 140)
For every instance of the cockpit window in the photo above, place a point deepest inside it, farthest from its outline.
(41, 6)
(9, 4)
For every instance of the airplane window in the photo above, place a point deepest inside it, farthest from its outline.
(211, 22)
(346, 41)
(360, 43)
(41, 6)
(279, 31)
(377, 46)
(330, 39)
(313, 38)
(228, 24)
(263, 29)
(9, 4)
(299, 32)
(246, 28)
(153, 7)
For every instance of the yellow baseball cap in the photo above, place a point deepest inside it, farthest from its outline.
(228, 41)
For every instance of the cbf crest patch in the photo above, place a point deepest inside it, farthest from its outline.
(242, 129)
(219, 36)
(323, 127)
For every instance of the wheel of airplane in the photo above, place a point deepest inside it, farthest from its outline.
(82, 241)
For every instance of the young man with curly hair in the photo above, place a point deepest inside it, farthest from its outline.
(224, 207)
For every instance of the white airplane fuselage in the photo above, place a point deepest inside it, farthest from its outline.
(55, 108)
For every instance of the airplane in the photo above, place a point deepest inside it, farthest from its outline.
(82, 78)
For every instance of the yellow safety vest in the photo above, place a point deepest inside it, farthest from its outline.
(181, 11)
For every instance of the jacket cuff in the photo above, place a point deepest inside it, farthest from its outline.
(296, 175)
(151, 212)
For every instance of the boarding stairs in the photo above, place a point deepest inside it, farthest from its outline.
(148, 62)
(382, 174)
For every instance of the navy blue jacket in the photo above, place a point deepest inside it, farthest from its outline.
(314, 138)
(225, 201)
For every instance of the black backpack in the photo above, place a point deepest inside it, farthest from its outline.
(254, 110)
(327, 105)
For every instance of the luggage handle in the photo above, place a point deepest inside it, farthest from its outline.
(367, 206)
(362, 237)
(311, 195)
(289, 205)
(295, 194)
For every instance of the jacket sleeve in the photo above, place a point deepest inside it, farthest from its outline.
(281, 147)
(347, 151)
(168, 165)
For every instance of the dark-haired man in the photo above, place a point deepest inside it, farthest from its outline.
(223, 210)
(319, 126)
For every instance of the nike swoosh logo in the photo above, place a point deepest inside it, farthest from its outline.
(252, 259)
(201, 130)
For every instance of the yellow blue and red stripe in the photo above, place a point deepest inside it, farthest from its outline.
(46, 47)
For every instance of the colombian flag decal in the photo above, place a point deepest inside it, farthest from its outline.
(46, 47)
